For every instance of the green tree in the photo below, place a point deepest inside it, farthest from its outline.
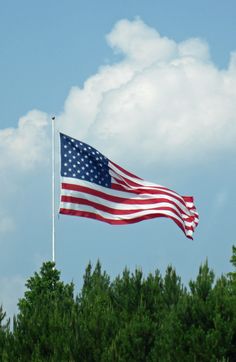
(131, 300)
(5, 337)
(96, 323)
(43, 328)
(133, 318)
(168, 333)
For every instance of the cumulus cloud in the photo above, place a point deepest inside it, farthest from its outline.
(25, 146)
(165, 100)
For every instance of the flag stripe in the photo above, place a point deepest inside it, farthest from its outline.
(125, 219)
(104, 200)
(114, 166)
(127, 204)
(101, 203)
(120, 211)
(114, 196)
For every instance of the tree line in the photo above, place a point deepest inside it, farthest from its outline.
(129, 319)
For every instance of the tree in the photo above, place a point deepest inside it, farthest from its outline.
(43, 327)
(4, 336)
(133, 318)
(96, 322)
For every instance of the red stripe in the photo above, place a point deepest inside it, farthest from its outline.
(118, 199)
(92, 215)
(140, 191)
(124, 171)
(113, 211)
(188, 198)
(133, 183)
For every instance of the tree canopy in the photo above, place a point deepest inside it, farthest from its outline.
(129, 319)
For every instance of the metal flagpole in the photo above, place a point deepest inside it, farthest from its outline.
(53, 189)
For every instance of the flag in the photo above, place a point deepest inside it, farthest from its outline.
(93, 186)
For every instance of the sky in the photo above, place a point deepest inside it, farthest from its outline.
(152, 85)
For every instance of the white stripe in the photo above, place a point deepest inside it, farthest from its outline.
(189, 204)
(165, 195)
(115, 172)
(189, 232)
(122, 194)
(86, 208)
(121, 206)
(116, 178)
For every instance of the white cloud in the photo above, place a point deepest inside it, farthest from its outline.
(164, 101)
(22, 149)
(26, 146)
(141, 44)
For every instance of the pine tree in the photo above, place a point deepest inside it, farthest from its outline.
(5, 337)
(43, 327)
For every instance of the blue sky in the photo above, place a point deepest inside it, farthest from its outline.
(151, 84)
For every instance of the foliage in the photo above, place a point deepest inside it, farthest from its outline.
(130, 319)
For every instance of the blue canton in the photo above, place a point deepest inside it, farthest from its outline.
(81, 161)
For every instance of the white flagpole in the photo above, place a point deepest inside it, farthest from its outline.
(53, 189)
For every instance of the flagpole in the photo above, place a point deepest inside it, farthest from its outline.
(53, 189)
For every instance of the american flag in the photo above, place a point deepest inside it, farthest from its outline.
(93, 186)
